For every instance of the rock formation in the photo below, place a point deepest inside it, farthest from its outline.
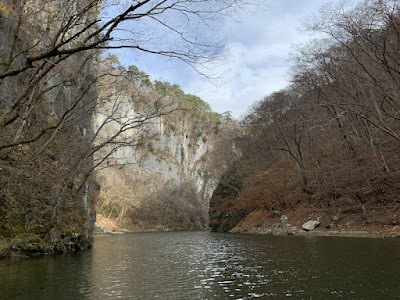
(156, 176)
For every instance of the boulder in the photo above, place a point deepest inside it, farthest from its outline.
(310, 225)
(292, 230)
(284, 219)
(335, 218)
(331, 225)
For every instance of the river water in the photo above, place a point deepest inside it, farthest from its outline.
(205, 265)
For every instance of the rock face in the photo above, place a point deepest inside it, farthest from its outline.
(284, 219)
(310, 225)
(162, 169)
(47, 116)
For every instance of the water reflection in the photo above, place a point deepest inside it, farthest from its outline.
(46, 277)
(204, 265)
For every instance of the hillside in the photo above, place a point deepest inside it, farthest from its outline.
(326, 147)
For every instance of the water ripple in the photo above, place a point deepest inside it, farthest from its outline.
(202, 265)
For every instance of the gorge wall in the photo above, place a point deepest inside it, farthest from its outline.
(79, 131)
(156, 176)
(45, 133)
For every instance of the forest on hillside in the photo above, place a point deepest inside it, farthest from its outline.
(327, 146)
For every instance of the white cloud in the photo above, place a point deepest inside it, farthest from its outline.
(256, 61)
(258, 54)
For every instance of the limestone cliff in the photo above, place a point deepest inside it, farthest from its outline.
(156, 176)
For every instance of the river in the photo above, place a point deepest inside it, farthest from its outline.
(205, 265)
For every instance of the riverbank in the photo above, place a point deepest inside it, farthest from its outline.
(27, 245)
(105, 225)
(257, 222)
(255, 225)
(339, 224)
(368, 233)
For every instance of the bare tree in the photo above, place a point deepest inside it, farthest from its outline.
(49, 84)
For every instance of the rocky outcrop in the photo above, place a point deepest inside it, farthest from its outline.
(310, 225)
(160, 165)
(262, 226)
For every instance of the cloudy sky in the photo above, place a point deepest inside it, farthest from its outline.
(256, 62)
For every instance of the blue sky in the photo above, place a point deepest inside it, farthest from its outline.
(255, 64)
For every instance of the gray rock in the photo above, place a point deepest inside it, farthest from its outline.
(348, 224)
(393, 235)
(292, 230)
(284, 219)
(310, 225)
(279, 231)
(331, 225)
(268, 231)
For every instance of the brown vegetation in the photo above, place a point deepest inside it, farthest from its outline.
(328, 144)
(132, 200)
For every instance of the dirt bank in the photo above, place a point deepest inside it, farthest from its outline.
(331, 223)
(108, 225)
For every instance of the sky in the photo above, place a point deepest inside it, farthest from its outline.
(255, 64)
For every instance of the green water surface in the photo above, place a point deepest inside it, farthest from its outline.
(205, 265)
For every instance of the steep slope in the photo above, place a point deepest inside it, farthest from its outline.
(45, 112)
(326, 147)
(156, 175)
